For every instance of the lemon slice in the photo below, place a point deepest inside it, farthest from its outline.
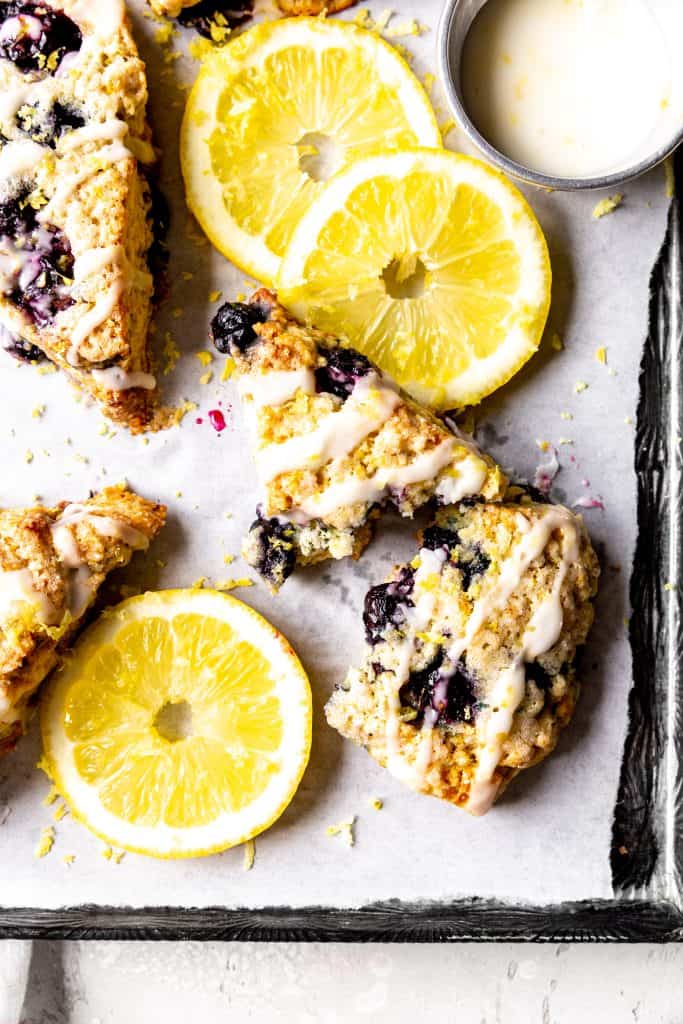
(179, 726)
(273, 113)
(430, 263)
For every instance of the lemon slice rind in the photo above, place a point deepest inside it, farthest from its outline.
(232, 827)
(319, 303)
(251, 252)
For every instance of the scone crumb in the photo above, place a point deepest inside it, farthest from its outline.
(204, 357)
(68, 859)
(249, 854)
(580, 386)
(165, 33)
(601, 355)
(214, 296)
(233, 584)
(51, 797)
(607, 205)
(37, 411)
(343, 829)
(228, 559)
(28, 457)
(170, 352)
(228, 369)
(46, 842)
(377, 803)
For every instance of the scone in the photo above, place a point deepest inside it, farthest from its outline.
(52, 563)
(208, 13)
(336, 441)
(75, 204)
(468, 675)
(211, 18)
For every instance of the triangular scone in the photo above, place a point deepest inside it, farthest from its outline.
(468, 674)
(52, 563)
(336, 441)
(75, 205)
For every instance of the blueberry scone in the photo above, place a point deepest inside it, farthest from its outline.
(468, 674)
(52, 563)
(214, 19)
(336, 441)
(209, 16)
(75, 203)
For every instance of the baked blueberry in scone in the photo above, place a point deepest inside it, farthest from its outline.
(210, 16)
(336, 441)
(468, 673)
(213, 19)
(75, 204)
(52, 564)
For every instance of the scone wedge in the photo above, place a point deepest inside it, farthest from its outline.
(75, 203)
(468, 675)
(52, 564)
(336, 441)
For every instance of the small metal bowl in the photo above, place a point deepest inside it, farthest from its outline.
(454, 25)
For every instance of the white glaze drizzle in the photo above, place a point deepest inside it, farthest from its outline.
(111, 154)
(464, 478)
(96, 315)
(542, 633)
(114, 378)
(369, 405)
(20, 159)
(17, 589)
(105, 17)
(275, 387)
(357, 490)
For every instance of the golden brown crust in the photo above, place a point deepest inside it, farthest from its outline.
(61, 572)
(107, 209)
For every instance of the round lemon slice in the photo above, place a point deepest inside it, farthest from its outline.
(179, 726)
(275, 112)
(430, 263)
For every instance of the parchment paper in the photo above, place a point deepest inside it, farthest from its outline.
(548, 839)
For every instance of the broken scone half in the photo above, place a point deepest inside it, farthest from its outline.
(336, 441)
(75, 204)
(468, 674)
(52, 564)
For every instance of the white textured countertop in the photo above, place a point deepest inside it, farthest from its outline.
(189, 983)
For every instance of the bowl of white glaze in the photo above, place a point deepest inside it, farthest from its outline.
(565, 94)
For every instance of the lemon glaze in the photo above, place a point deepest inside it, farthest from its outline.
(575, 88)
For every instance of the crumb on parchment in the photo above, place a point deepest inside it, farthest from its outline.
(249, 854)
(46, 842)
(377, 803)
(343, 829)
(607, 205)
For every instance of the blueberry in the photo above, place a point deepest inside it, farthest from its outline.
(385, 605)
(35, 37)
(343, 368)
(538, 675)
(446, 689)
(272, 550)
(46, 127)
(19, 348)
(232, 328)
(159, 216)
(472, 561)
(17, 216)
(209, 14)
(439, 537)
(41, 284)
